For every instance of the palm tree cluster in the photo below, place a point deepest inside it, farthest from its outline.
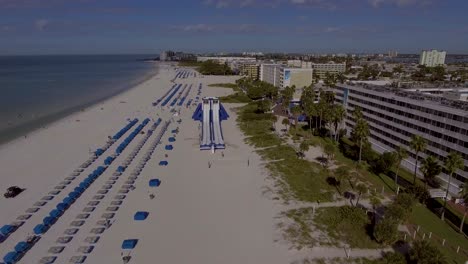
(325, 113)
(360, 131)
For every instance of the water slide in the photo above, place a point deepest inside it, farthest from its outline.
(206, 135)
(216, 123)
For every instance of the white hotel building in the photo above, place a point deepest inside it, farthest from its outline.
(394, 116)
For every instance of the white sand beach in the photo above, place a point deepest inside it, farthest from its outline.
(200, 214)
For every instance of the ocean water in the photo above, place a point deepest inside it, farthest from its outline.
(36, 90)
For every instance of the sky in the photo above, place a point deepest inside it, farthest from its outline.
(305, 26)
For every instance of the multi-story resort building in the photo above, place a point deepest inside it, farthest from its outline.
(250, 70)
(321, 69)
(270, 73)
(395, 115)
(432, 58)
(298, 77)
(281, 76)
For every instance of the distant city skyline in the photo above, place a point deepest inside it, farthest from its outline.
(304, 26)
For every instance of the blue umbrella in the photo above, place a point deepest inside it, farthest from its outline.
(68, 200)
(163, 163)
(84, 185)
(55, 213)
(22, 246)
(40, 229)
(6, 229)
(79, 189)
(62, 206)
(74, 195)
(11, 257)
(49, 220)
(172, 139)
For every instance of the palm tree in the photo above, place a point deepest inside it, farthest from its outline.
(296, 111)
(311, 111)
(303, 147)
(425, 252)
(452, 163)
(464, 195)
(400, 154)
(285, 122)
(307, 101)
(274, 119)
(418, 144)
(430, 169)
(339, 113)
(340, 174)
(361, 188)
(361, 132)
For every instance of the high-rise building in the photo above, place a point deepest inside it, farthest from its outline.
(294, 63)
(432, 58)
(250, 70)
(298, 77)
(166, 55)
(393, 54)
(321, 69)
(270, 73)
(395, 116)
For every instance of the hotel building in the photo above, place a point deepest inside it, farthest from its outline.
(394, 116)
(432, 58)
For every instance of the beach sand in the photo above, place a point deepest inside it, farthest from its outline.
(200, 214)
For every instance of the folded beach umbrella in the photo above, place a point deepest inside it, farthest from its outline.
(169, 147)
(129, 243)
(22, 247)
(154, 182)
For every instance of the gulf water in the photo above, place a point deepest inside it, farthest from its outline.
(36, 90)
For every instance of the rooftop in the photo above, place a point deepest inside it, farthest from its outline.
(428, 100)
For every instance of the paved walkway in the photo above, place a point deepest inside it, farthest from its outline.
(364, 202)
(336, 252)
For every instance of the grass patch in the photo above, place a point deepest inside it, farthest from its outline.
(429, 222)
(299, 232)
(346, 224)
(189, 63)
(226, 85)
(300, 179)
(238, 97)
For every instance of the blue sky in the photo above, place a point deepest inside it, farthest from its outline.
(149, 26)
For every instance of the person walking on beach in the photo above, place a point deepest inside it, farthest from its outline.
(248, 162)
(222, 154)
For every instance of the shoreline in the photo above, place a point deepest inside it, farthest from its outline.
(10, 135)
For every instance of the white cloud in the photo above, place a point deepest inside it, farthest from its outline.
(41, 24)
